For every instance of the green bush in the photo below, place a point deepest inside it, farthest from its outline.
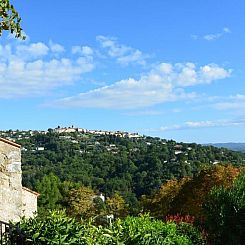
(55, 228)
(59, 229)
(225, 214)
(191, 232)
(144, 230)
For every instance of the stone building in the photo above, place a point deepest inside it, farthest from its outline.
(16, 201)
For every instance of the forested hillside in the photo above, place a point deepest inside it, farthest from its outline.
(109, 163)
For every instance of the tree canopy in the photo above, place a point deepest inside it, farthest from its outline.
(10, 19)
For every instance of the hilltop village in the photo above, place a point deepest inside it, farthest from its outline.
(15, 135)
(112, 161)
(90, 139)
(66, 133)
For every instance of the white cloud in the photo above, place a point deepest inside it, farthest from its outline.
(56, 48)
(238, 97)
(33, 50)
(213, 36)
(34, 69)
(187, 74)
(232, 102)
(85, 63)
(82, 50)
(226, 29)
(213, 72)
(5, 52)
(124, 54)
(136, 56)
(230, 105)
(164, 83)
(201, 124)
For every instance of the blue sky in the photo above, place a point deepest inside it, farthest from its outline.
(173, 69)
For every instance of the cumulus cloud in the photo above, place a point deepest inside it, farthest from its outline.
(201, 124)
(164, 83)
(33, 69)
(123, 54)
(33, 50)
(82, 50)
(188, 74)
(56, 48)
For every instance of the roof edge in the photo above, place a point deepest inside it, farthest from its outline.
(31, 191)
(10, 142)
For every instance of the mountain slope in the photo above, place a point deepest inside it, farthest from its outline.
(231, 146)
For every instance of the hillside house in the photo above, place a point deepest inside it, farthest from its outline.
(16, 201)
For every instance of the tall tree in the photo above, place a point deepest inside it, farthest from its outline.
(48, 187)
(160, 203)
(117, 206)
(193, 193)
(81, 202)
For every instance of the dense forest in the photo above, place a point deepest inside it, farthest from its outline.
(108, 163)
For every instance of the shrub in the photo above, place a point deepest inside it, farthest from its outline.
(225, 213)
(185, 226)
(178, 218)
(59, 229)
(55, 228)
(144, 230)
(191, 232)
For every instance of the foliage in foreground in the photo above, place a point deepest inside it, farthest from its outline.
(10, 19)
(60, 229)
(225, 213)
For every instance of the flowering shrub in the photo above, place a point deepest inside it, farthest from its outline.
(178, 218)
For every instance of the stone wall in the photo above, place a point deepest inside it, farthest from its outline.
(15, 201)
(10, 181)
(29, 202)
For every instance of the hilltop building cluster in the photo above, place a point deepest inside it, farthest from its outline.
(96, 132)
(14, 135)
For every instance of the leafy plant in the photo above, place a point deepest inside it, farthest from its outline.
(225, 213)
(10, 19)
(56, 228)
(191, 232)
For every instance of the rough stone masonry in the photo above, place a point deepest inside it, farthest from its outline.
(16, 201)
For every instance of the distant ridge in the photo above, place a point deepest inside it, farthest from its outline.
(231, 146)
